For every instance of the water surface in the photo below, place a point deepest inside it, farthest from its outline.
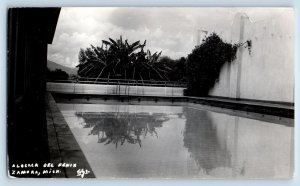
(143, 141)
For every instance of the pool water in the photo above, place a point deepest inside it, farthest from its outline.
(144, 141)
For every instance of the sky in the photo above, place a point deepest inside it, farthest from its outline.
(170, 30)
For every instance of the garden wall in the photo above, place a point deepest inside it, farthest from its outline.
(266, 71)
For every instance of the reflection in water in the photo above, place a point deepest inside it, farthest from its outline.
(117, 128)
(201, 140)
(194, 144)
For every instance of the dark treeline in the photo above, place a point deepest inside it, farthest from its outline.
(57, 74)
(178, 66)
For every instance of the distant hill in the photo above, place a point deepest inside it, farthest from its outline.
(52, 66)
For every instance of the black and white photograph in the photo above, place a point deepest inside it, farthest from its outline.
(150, 92)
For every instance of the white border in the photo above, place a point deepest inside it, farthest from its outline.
(4, 4)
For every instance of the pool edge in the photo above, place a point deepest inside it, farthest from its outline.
(63, 147)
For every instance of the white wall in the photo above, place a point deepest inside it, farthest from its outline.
(267, 73)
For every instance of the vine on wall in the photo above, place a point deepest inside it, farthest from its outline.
(205, 62)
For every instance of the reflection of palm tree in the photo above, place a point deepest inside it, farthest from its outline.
(201, 140)
(120, 128)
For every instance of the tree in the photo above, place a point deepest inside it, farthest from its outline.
(57, 74)
(177, 66)
(205, 62)
(121, 60)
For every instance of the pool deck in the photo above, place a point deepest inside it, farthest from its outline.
(63, 146)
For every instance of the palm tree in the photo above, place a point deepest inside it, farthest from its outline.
(119, 59)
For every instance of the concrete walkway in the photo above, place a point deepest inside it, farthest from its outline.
(62, 144)
(252, 102)
(256, 106)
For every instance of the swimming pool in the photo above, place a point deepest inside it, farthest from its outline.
(156, 141)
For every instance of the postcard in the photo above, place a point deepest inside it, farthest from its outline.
(150, 92)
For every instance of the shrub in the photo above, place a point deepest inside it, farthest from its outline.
(205, 62)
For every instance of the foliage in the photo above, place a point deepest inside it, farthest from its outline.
(57, 74)
(120, 60)
(178, 66)
(205, 62)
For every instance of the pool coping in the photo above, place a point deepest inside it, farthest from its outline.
(280, 110)
(63, 147)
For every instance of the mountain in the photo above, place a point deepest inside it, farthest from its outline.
(52, 66)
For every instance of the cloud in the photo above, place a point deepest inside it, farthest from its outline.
(170, 30)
